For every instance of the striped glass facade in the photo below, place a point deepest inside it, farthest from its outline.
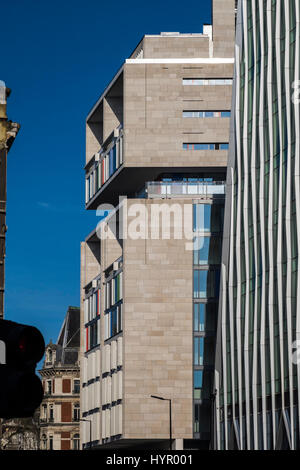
(256, 379)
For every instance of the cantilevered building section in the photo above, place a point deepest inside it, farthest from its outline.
(159, 136)
(257, 376)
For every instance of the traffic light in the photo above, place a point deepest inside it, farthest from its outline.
(21, 391)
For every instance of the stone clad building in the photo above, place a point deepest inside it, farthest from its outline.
(60, 408)
(158, 136)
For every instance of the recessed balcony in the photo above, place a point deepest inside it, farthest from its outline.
(182, 189)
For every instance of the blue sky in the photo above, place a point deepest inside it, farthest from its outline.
(58, 58)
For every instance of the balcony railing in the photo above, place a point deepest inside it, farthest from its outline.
(182, 189)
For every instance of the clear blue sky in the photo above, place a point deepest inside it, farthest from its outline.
(57, 58)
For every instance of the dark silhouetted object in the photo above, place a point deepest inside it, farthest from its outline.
(21, 391)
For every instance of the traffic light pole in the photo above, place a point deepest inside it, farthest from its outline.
(8, 132)
(3, 156)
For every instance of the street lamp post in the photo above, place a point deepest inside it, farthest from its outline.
(170, 414)
(89, 421)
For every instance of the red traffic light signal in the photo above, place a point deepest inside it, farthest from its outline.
(21, 390)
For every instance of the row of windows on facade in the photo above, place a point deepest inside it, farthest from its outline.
(48, 413)
(206, 114)
(111, 422)
(207, 219)
(207, 81)
(114, 159)
(111, 413)
(113, 294)
(47, 443)
(206, 146)
(207, 251)
(49, 386)
(111, 388)
(203, 314)
(107, 165)
(113, 313)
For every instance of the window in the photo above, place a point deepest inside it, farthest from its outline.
(109, 162)
(198, 381)
(196, 418)
(206, 283)
(207, 250)
(206, 114)
(43, 416)
(202, 217)
(76, 386)
(200, 284)
(76, 412)
(93, 332)
(76, 442)
(199, 317)
(207, 81)
(92, 305)
(205, 146)
(44, 441)
(223, 146)
(205, 316)
(92, 316)
(198, 350)
(51, 413)
(225, 114)
(114, 290)
(50, 442)
(113, 321)
(49, 385)
(208, 217)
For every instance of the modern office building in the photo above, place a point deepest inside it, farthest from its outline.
(257, 375)
(60, 408)
(158, 136)
(8, 133)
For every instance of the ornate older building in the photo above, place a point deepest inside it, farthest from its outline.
(21, 433)
(60, 409)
